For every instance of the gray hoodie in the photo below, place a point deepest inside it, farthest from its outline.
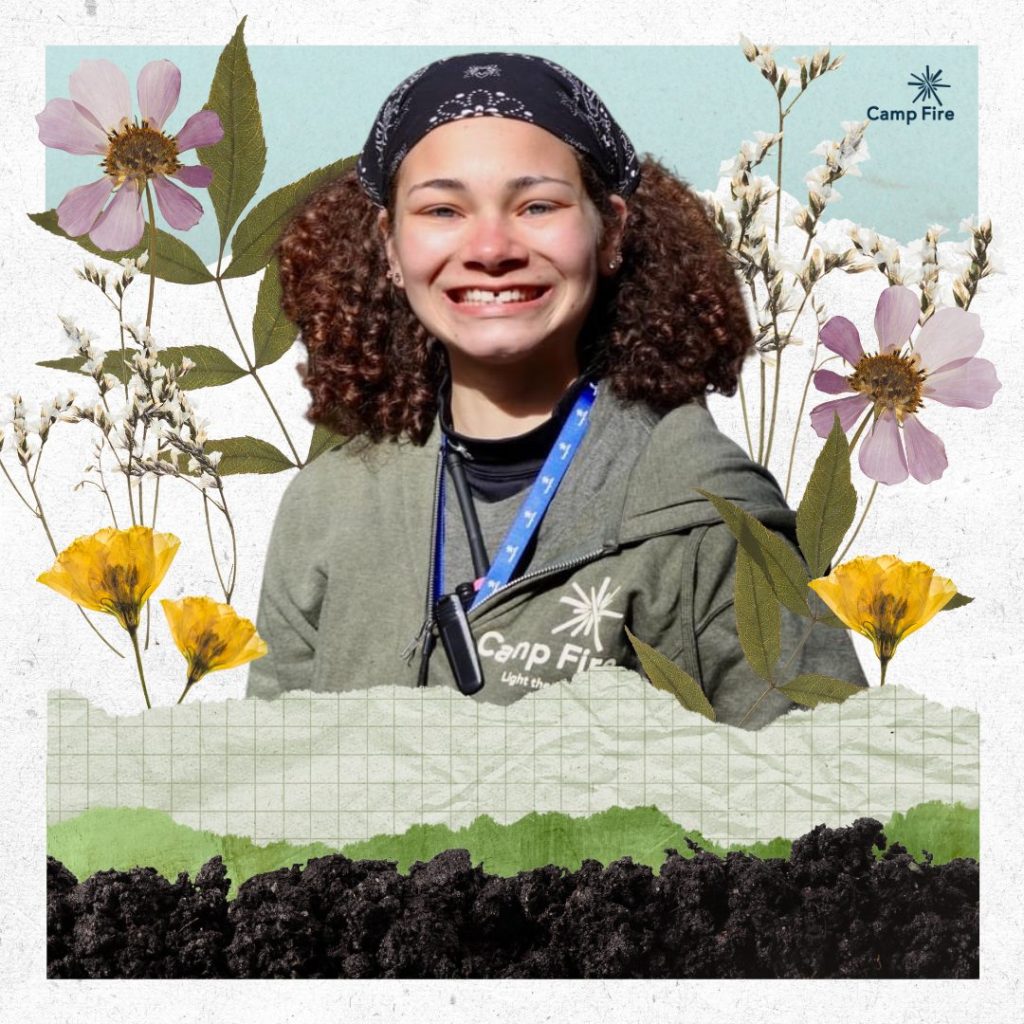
(626, 541)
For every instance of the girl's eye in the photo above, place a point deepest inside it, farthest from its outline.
(440, 211)
(540, 207)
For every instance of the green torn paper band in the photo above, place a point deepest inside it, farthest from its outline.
(341, 768)
(151, 839)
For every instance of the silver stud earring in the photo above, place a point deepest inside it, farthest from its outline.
(615, 261)
(395, 277)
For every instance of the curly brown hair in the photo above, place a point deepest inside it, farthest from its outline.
(670, 327)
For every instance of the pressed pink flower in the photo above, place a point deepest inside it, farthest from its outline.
(939, 365)
(98, 119)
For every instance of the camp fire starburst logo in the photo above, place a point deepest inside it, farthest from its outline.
(927, 85)
(589, 610)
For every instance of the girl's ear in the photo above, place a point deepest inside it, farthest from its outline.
(384, 227)
(610, 254)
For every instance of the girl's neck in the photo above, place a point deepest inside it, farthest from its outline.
(507, 401)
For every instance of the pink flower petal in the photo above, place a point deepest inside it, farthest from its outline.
(831, 383)
(881, 452)
(849, 410)
(101, 88)
(159, 86)
(949, 334)
(79, 209)
(203, 128)
(120, 225)
(840, 336)
(194, 176)
(180, 210)
(926, 454)
(969, 383)
(61, 126)
(896, 316)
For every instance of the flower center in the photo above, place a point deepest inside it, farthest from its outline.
(208, 648)
(885, 626)
(891, 381)
(121, 584)
(138, 153)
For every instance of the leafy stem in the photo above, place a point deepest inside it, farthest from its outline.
(772, 684)
(250, 367)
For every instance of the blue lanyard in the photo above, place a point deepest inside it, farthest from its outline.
(532, 510)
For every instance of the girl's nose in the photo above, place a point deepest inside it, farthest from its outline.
(491, 243)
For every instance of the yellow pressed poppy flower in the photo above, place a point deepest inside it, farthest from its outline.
(113, 571)
(884, 598)
(211, 636)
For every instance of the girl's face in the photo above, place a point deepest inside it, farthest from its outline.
(497, 243)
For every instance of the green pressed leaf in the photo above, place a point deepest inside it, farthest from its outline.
(758, 616)
(273, 334)
(956, 601)
(323, 440)
(174, 262)
(811, 690)
(112, 363)
(829, 503)
(780, 564)
(237, 161)
(212, 368)
(665, 674)
(255, 237)
(248, 455)
(70, 363)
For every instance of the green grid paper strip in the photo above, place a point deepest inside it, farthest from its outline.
(343, 767)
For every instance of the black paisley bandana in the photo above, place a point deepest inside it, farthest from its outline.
(514, 85)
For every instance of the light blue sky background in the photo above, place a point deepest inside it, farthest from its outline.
(691, 106)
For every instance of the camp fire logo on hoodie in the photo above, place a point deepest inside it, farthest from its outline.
(589, 610)
(524, 657)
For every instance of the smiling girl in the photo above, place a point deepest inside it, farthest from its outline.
(514, 322)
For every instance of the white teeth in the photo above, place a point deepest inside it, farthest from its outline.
(509, 295)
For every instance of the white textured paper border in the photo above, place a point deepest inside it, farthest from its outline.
(982, 537)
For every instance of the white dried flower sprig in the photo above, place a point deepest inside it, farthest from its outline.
(841, 159)
(29, 435)
(751, 153)
(761, 55)
(982, 262)
(113, 280)
(884, 253)
(931, 268)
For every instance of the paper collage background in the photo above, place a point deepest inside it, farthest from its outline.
(963, 524)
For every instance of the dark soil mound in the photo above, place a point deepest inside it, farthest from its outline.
(831, 911)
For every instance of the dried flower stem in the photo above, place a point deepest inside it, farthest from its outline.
(838, 559)
(152, 255)
(138, 663)
(746, 419)
(800, 417)
(213, 551)
(37, 511)
(251, 369)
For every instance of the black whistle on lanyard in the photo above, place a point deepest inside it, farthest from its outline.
(453, 625)
(450, 610)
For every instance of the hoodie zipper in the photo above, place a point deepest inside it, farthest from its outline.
(557, 567)
(426, 631)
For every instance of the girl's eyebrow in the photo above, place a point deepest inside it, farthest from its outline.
(514, 185)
